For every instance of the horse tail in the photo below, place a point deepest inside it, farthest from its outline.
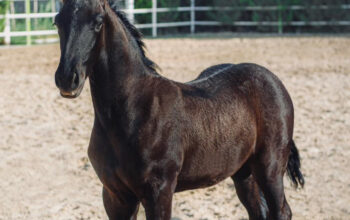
(293, 167)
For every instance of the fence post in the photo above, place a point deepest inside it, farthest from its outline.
(154, 18)
(193, 16)
(7, 29)
(13, 11)
(130, 6)
(280, 17)
(28, 22)
(53, 8)
(35, 9)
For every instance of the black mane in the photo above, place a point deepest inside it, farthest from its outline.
(135, 33)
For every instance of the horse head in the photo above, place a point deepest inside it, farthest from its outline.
(79, 24)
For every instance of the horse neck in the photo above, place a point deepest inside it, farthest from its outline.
(118, 72)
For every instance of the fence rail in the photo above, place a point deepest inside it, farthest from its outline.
(192, 23)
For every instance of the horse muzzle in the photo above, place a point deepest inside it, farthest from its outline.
(70, 86)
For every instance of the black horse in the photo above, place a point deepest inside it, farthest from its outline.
(153, 137)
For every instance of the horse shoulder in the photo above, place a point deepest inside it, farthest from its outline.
(159, 133)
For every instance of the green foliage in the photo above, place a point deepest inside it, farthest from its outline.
(283, 15)
(161, 17)
(168, 16)
(237, 12)
(3, 9)
(36, 23)
(43, 23)
(143, 4)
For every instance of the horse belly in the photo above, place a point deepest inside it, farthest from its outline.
(207, 166)
(217, 145)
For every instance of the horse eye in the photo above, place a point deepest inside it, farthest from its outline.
(99, 18)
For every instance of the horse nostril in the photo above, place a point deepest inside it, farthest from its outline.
(75, 81)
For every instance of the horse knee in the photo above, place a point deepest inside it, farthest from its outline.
(287, 212)
(120, 206)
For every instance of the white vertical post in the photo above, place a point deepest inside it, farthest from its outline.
(35, 9)
(7, 29)
(193, 16)
(130, 6)
(154, 18)
(28, 22)
(13, 11)
(53, 8)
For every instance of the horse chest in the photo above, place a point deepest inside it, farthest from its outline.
(107, 162)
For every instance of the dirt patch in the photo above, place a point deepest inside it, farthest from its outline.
(44, 170)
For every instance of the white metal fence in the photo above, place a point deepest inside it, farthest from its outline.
(131, 11)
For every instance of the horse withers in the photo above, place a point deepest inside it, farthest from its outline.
(153, 137)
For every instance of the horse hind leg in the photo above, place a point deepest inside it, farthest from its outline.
(268, 169)
(249, 193)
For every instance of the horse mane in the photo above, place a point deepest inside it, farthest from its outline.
(135, 33)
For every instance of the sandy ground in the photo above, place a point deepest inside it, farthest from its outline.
(44, 169)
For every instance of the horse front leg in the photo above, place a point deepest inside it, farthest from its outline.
(158, 198)
(120, 205)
